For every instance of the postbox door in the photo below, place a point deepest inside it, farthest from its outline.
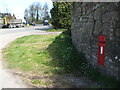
(101, 55)
(101, 49)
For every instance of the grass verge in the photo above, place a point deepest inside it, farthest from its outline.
(55, 30)
(47, 55)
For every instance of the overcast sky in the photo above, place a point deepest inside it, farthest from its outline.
(18, 6)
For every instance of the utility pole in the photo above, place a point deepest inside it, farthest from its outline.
(3, 5)
(5, 9)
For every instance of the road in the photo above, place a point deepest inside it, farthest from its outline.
(8, 80)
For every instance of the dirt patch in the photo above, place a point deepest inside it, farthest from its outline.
(67, 80)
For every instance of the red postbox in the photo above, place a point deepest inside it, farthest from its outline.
(101, 49)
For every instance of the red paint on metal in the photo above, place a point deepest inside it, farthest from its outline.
(101, 49)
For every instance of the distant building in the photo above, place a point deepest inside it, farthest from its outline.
(4, 14)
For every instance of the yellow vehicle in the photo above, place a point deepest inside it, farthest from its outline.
(8, 21)
(5, 23)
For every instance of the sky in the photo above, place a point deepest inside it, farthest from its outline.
(18, 6)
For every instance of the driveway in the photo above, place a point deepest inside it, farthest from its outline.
(8, 80)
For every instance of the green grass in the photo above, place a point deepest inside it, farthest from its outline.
(41, 82)
(65, 54)
(53, 30)
(29, 52)
(36, 81)
(52, 54)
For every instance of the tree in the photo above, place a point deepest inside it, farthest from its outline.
(36, 12)
(45, 8)
(26, 15)
(38, 8)
(61, 15)
(32, 12)
(14, 16)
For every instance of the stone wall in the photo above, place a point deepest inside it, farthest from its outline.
(90, 20)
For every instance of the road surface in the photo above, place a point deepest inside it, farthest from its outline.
(7, 79)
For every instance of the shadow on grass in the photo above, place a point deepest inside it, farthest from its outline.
(66, 57)
(64, 54)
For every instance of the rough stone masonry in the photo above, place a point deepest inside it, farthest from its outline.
(90, 20)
